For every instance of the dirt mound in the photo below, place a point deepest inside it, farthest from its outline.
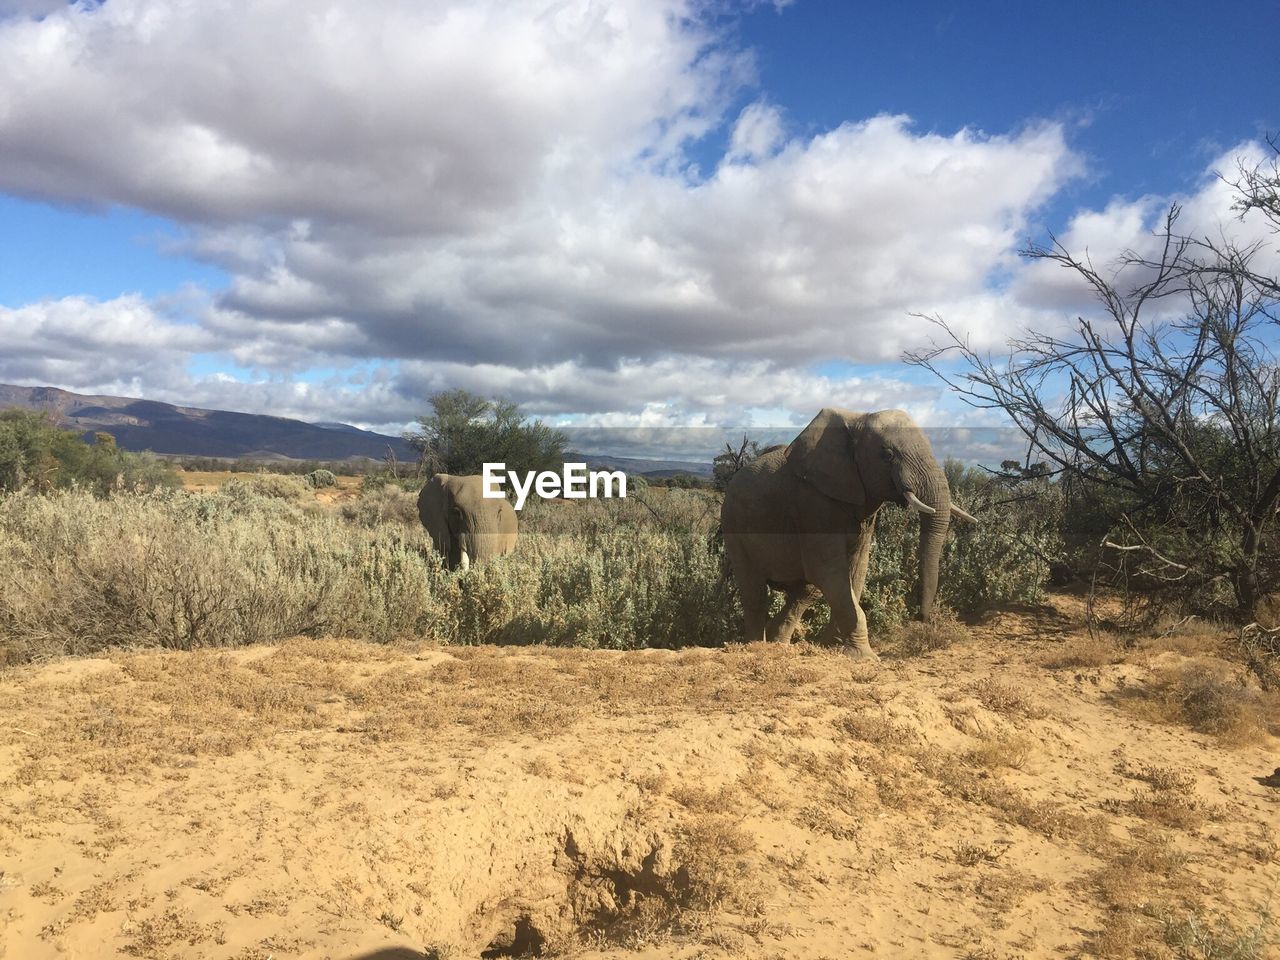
(1000, 797)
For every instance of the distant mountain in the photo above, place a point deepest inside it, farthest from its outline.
(195, 432)
(645, 468)
(165, 428)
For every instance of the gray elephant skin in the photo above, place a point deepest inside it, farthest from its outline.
(801, 518)
(465, 526)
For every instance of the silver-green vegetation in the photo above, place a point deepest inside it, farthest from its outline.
(260, 560)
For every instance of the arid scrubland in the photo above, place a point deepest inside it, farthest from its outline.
(278, 786)
(264, 558)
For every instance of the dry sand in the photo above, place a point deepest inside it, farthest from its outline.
(1019, 794)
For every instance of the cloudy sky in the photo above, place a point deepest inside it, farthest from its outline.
(623, 213)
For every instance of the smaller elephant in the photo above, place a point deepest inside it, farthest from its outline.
(465, 526)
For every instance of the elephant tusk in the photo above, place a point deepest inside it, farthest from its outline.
(957, 512)
(914, 503)
(465, 563)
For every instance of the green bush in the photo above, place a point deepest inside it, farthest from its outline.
(1005, 558)
(36, 455)
(320, 478)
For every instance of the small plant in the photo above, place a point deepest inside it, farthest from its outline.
(317, 479)
(1197, 937)
(915, 638)
(972, 854)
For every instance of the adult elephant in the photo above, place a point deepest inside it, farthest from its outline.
(802, 517)
(465, 526)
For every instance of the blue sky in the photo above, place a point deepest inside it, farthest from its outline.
(642, 215)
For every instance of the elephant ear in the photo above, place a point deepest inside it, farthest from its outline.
(433, 511)
(823, 455)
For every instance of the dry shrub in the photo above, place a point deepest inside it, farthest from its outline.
(1260, 649)
(914, 638)
(1012, 753)
(876, 728)
(1140, 875)
(1209, 697)
(1004, 889)
(715, 867)
(1199, 937)
(274, 485)
(1169, 800)
(1138, 881)
(1125, 935)
(154, 936)
(999, 697)
(1099, 649)
(1007, 803)
(183, 571)
(710, 870)
(1168, 808)
(379, 505)
(972, 854)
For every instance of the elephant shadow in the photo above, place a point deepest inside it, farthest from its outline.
(392, 953)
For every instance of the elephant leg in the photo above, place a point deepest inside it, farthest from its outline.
(788, 618)
(832, 575)
(754, 594)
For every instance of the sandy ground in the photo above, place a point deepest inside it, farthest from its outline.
(1018, 794)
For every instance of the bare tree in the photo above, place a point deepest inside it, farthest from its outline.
(1167, 404)
(726, 464)
(1258, 186)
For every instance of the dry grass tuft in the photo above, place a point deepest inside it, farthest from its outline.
(1170, 799)
(1139, 882)
(914, 638)
(1197, 937)
(1086, 652)
(1001, 698)
(1210, 697)
(154, 936)
(1012, 753)
(972, 854)
(1007, 803)
(877, 729)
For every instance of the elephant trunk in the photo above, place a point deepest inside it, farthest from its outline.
(933, 534)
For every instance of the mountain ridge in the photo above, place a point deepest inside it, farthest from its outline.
(177, 430)
(167, 428)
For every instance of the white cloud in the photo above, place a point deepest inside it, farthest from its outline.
(79, 340)
(817, 252)
(756, 133)
(431, 117)
(1134, 225)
